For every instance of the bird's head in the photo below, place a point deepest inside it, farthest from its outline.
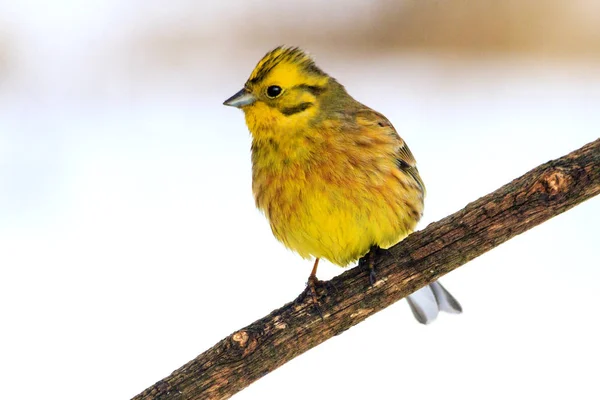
(283, 92)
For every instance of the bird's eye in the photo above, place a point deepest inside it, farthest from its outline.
(273, 91)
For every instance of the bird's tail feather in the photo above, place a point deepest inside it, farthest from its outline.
(428, 301)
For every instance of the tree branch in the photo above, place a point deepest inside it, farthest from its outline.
(423, 257)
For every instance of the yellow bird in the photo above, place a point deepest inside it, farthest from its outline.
(331, 175)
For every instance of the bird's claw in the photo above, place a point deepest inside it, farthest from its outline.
(368, 261)
(313, 287)
(372, 276)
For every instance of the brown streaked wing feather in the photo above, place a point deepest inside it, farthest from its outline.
(405, 158)
(407, 163)
(410, 169)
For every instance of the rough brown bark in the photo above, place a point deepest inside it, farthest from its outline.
(254, 351)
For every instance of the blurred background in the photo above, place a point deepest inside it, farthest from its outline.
(129, 241)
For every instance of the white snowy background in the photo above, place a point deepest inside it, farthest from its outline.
(129, 241)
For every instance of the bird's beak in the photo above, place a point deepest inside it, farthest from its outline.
(240, 99)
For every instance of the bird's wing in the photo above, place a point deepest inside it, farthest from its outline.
(406, 161)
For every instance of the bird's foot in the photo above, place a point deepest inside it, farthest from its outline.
(316, 290)
(368, 261)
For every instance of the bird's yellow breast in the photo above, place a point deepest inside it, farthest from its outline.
(331, 199)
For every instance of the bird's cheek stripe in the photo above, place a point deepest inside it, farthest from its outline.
(296, 109)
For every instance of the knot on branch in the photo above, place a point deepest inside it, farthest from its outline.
(243, 343)
(241, 338)
(553, 183)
